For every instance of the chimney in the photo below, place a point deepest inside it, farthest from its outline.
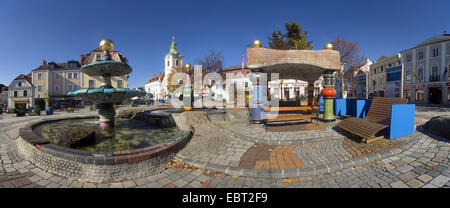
(43, 63)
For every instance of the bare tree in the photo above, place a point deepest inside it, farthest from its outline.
(351, 58)
(211, 62)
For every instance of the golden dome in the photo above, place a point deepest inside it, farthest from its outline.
(257, 44)
(329, 46)
(106, 45)
(188, 67)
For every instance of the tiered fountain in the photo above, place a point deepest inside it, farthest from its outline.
(106, 95)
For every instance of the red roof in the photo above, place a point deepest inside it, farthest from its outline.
(26, 77)
(157, 77)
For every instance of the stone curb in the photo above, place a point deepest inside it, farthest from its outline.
(306, 171)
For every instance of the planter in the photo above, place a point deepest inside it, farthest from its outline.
(49, 111)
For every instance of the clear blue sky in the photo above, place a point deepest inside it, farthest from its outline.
(142, 30)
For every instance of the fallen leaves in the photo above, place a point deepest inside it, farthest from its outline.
(178, 164)
(115, 180)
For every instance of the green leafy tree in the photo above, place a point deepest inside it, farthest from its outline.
(294, 39)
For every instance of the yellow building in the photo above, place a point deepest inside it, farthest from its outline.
(54, 80)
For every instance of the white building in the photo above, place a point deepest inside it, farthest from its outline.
(172, 60)
(21, 93)
(153, 86)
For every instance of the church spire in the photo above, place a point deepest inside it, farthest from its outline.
(173, 46)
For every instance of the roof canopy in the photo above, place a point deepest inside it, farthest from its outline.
(307, 65)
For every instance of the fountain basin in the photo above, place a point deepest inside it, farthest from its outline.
(99, 165)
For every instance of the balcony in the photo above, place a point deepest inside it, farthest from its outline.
(434, 78)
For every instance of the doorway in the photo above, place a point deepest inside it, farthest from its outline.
(435, 95)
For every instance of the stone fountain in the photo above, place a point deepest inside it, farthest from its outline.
(106, 96)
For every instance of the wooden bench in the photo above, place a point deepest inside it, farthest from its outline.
(290, 117)
(377, 119)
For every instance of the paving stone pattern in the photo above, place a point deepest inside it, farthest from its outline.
(424, 165)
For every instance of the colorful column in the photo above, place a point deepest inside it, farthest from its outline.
(187, 92)
(328, 93)
(311, 89)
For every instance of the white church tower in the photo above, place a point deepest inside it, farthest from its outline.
(172, 60)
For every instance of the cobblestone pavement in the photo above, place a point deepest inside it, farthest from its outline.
(425, 164)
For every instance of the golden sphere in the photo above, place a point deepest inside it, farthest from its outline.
(106, 45)
(188, 67)
(257, 44)
(329, 46)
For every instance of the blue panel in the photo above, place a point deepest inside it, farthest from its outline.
(402, 120)
(322, 107)
(395, 68)
(351, 107)
(362, 107)
(340, 107)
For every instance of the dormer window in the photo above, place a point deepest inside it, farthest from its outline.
(52, 65)
(73, 65)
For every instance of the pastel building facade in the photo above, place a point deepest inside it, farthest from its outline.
(426, 71)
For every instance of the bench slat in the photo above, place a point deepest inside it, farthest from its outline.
(299, 108)
(292, 117)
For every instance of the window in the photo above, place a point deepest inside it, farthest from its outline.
(73, 65)
(420, 73)
(435, 52)
(98, 57)
(119, 84)
(25, 93)
(408, 58)
(57, 88)
(52, 66)
(375, 71)
(420, 55)
(408, 75)
(382, 68)
(168, 63)
(69, 87)
(434, 73)
(176, 62)
(57, 75)
(69, 75)
(19, 84)
(39, 76)
(15, 93)
(39, 88)
(75, 75)
(91, 83)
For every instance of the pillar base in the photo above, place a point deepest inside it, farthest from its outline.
(106, 113)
